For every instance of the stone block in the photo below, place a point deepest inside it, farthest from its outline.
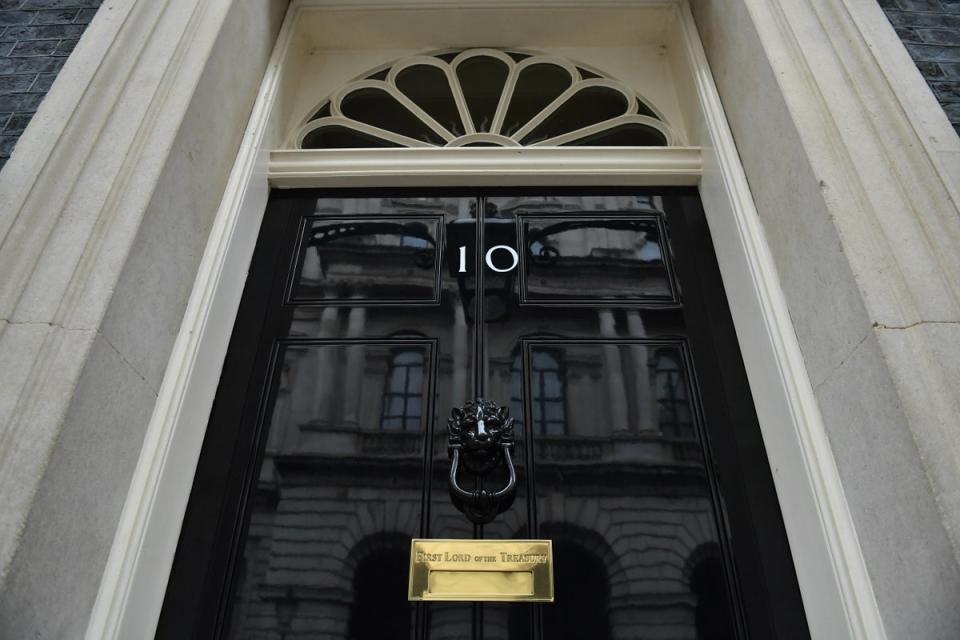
(20, 101)
(65, 47)
(953, 111)
(162, 266)
(951, 70)
(44, 80)
(60, 4)
(908, 34)
(946, 91)
(889, 495)
(17, 123)
(918, 5)
(933, 52)
(15, 17)
(930, 70)
(59, 16)
(921, 20)
(34, 48)
(38, 64)
(44, 32)
(6, 145)
(16, 84)
(940, 36)
(85, 486)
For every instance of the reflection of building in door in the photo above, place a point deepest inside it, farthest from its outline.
(621, 487)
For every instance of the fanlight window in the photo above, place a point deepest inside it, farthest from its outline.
(483, 98)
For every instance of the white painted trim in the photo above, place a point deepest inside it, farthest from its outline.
(606, 125)
(336, 104)
(135, 577)
(449, 166)
(836, 592)
(495, 138)
(379, 5)
(511, 83)
(831, 571)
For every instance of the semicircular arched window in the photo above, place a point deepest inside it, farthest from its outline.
(483, 98)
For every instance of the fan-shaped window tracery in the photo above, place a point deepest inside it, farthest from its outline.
(483, 97)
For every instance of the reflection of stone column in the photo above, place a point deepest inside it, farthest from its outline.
(496, 623)
(299, 369)
(353, 376)
(643, 392)
(461, 351)
(613, 370)
(324, 392)
(311, 266)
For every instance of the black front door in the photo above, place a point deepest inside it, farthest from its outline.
(598, 318)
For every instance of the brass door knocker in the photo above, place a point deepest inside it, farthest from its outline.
(480, 436)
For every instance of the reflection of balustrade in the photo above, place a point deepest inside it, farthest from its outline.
(645, 449)
(393, 443)
(565, 448)
(652, 450)
(348, 441)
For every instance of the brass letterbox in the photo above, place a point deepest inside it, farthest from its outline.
(481, 570)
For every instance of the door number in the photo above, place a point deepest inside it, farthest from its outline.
(488, 258)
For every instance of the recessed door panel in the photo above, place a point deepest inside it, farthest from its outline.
(321, 435)
(349, 260)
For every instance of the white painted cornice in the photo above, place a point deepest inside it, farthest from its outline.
(379, 5)
(480, 165)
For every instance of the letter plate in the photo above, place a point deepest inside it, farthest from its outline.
(481, 570)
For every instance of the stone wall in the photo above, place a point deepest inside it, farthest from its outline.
(930, 29)
(36, 36)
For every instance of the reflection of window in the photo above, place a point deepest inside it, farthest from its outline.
(416, 235)
(712, 614)
(379, 576)
(675, 418)
(581, 577)
(414, 241)
(546, 383)
(403, 395)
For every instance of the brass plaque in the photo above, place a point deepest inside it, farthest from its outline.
(481, 570)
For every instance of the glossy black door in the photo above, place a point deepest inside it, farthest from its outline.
(604, 328)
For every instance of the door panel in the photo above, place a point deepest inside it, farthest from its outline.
(606, 333)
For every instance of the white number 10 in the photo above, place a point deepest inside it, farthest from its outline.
(488, 258)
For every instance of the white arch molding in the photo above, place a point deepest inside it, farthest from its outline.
(833, 580)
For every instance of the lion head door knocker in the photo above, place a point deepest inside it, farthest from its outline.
(481, 439)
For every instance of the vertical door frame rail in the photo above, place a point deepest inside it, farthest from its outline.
(836, 591)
